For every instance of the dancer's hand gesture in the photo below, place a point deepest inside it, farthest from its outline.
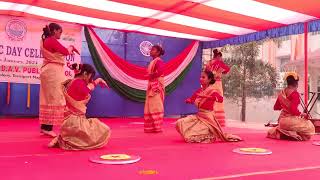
(101, 82)
(74, 50)
(305, 115)
(188, 101)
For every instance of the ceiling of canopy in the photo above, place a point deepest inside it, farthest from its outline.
(204, 20)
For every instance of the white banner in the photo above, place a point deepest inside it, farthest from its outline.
(20, 56)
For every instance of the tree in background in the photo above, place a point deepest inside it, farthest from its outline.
(248, 77)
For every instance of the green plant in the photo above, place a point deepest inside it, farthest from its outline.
(248, 77)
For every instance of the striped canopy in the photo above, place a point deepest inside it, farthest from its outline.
(204, 20)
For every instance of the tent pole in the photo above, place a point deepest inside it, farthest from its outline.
(306, 91)
(125, 43)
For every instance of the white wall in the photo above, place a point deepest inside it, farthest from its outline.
(258, 110)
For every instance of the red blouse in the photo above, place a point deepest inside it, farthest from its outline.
(217, 63)
(158, 70)
(78, 90)
(209, 102)
(294, 103)
(53, 45)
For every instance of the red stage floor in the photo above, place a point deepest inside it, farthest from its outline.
(24, 155)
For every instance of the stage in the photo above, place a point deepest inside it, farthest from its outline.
(24, 155)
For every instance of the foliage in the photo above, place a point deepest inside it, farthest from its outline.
(260, 77)
(248, 77)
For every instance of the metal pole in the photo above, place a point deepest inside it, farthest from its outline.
(306, 91)
(125, 42)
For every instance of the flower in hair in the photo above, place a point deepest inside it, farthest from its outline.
(77, 70)
(292, 73)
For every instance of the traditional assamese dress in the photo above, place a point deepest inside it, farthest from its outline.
(78, 132)
(203, 126)
(291, 125)
(218, 67)
(52, 101)
(153, 109)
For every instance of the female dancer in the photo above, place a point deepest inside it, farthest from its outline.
(218, 67)
(203, 126)
(153, 109)
(77, 132)
(52, 101)
(293, 125)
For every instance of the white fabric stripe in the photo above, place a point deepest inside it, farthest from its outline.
(173, 34)
(172, 76)
(74, 18)
(121, 8)
(121, 76)
(258, 10)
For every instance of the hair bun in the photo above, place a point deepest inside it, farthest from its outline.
(210, 76)
(46, 32)
(77, 68)
(74, 66)
(162, 51)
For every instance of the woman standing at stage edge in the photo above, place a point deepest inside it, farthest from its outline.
(218, 67)
(153, 109)
(52, 101)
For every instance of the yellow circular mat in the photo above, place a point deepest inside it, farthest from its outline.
(119, 159)
(253, 150)
(115, 157)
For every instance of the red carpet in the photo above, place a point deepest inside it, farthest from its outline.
(24, 155)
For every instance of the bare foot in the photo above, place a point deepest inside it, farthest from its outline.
(53, 143)
(49, 133)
